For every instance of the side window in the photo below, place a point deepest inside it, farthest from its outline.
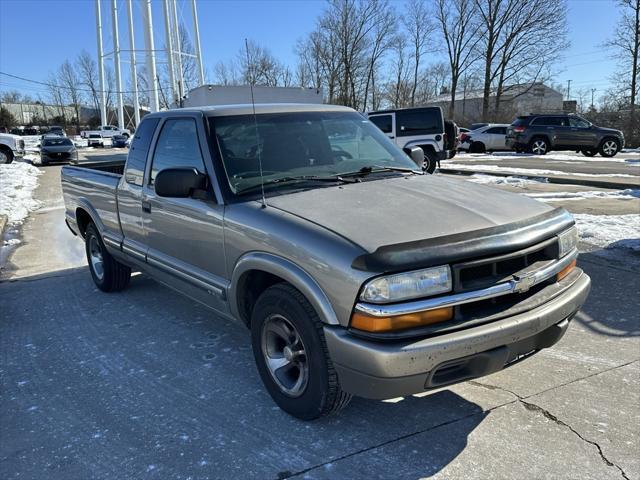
(134, 172)
(494, 130)
(177, 147)
(383, 122)
(419, 122)
(578, 122)
(541, 121)
(501, 130)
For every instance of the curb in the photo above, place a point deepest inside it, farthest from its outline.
(551, 179)
(3, 223)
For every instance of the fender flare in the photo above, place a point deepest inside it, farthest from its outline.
(84, 204)
(288, 271)
(417, 143)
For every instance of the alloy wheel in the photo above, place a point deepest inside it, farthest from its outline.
(95, 255)
(610, 147)
(539, 147)
(285, 355)
(4, 158)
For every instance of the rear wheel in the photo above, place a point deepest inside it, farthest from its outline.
(590, 152)
(291, 354)
(477, 147)
(609, 147)
(108, 274)
(539, 146)
(430, 160)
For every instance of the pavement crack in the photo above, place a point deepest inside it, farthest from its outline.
(536, 408)
(286, 474)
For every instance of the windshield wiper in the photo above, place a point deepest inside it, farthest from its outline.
(297, 179)
(379, 168)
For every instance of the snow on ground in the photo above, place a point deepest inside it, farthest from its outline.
(529, 171)
(513, 181)
(18, 180)
(609, 231)
(560, 157)
(628, 194)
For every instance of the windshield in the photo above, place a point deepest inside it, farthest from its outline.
(56, 142)
(300, 144)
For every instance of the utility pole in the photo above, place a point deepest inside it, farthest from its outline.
(196, 33)
(178, 47)
(568, 89)
(169, 46)
(152, 82)
(593, 90)
(134, 72)
(116, 58)
(103, 93)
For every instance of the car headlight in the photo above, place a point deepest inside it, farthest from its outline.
(405, 286)
(567, 241)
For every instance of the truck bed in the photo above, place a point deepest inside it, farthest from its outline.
(110, 166)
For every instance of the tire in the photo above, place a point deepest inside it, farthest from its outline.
(539, 146)
(430, 161)
(108, 274)
(477, 147)
(309, 388)
(589, 153)
(609, 147)
(6, 156)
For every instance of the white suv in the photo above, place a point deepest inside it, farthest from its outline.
(423, 127)
(489, 138)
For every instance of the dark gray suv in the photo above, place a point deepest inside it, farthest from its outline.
(540, 133)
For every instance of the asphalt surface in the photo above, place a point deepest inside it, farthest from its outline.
(148, 384)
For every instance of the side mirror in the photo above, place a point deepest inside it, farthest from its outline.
(416, 154)
(179, 182)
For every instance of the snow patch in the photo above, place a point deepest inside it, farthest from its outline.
(11, 242)
(608, 231)
(628, 194)
(513, 181)
(530, 171)
(18, 181)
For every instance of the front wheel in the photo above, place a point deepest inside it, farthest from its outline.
(430, 162)
(108, 274)
(6, 156)
(291, 355)
(609, 147)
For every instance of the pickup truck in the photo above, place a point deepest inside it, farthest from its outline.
(106, 131)
(11, 147)
(354, 271)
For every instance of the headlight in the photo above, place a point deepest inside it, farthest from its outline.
(405, 286)
(567, 241)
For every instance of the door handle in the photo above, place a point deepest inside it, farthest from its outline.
(146, 206)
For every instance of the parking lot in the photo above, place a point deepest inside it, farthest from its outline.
(148, 384)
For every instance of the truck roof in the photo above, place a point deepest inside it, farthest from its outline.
(247, 109)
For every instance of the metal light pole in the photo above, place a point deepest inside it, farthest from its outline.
(103, 94)
(178, 47)
(169, 41)
(116, 53)
(134, 72)
(152, 75)
(196, 33)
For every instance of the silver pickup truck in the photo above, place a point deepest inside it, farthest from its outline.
(356, 273)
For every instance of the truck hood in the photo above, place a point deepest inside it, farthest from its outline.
(401, 210)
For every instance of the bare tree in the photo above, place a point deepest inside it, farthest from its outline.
(420, 28)
(57, 96)
(88, 72)
(626, 44)
(459, 28)
(258, 66)
(72, 85)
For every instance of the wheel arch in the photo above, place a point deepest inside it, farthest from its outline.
(85, 214)
(256, 271)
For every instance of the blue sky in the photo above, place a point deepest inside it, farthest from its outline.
(37, 35)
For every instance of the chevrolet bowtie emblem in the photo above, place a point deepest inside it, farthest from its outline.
(522, 284)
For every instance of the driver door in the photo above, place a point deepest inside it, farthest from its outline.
(184, 236)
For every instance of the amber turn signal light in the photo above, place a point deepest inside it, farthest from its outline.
(566, 270)
(400, 322)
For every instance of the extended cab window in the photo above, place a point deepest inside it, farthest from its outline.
(134, 172)
(383, 122)
(177, 147)
(419, 122)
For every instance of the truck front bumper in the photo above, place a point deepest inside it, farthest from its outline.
(382, 370)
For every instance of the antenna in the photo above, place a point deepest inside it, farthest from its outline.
(255, 123)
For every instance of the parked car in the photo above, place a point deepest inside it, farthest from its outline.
(539, 134)
(424, 127)
(57, 130)
(57, 149)
(119, 141)
(95, 140)
(489, 138)
(106, 131)
(11, 147)
(356, 273)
